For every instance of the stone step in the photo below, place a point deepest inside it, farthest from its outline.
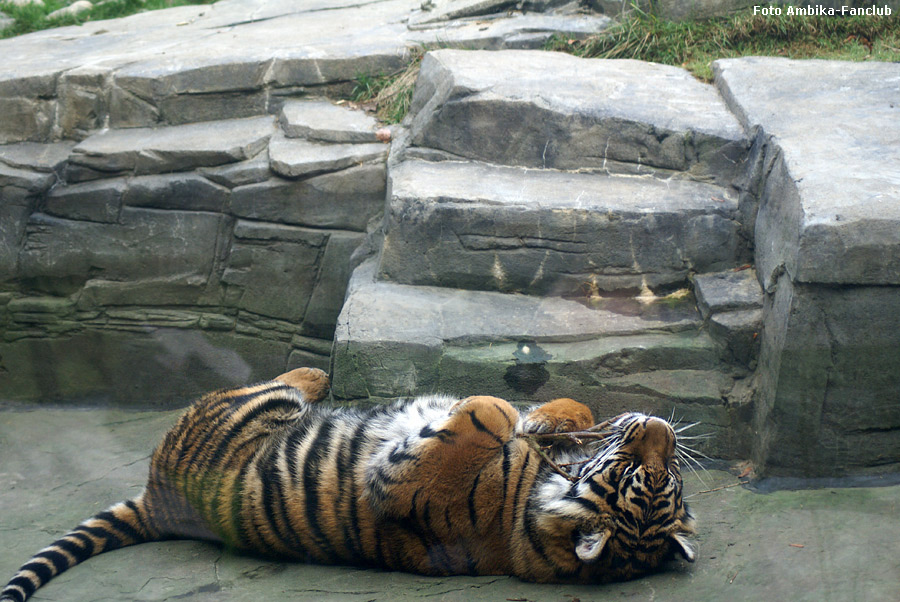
(545, 232)
(615, 355)
(546, 109)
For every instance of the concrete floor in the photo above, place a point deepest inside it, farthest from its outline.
(59, 466)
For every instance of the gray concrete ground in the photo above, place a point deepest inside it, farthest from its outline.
(58, 466)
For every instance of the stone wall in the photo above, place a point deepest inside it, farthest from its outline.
(145, 264)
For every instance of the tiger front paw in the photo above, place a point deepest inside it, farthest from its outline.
(562, 415)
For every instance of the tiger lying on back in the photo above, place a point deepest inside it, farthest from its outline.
(434, 485)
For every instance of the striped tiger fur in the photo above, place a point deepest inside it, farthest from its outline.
(433, 485)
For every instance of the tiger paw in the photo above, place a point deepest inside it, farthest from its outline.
(562, 415)
(312, 382)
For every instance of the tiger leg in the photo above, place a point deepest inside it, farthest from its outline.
(125, 524)
(312, 382)
(441, 488)
(562, 415)
(444, 458)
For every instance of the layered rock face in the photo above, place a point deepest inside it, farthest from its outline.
(179, 198)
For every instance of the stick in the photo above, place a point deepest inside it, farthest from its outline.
(716, 489)
(547, 459)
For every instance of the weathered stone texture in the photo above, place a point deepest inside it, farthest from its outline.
(540, 109)
(174, 148)
(294, 158)
(275, 268)
(829, 357)
(327, 122)
(821, 223)
(345, 199)
(143, 244)
(91, 201)
(472, 225)
(176, 191)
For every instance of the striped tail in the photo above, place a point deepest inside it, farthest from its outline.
(125, 524)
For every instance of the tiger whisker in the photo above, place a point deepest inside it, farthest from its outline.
(686, 427)
(692, 463)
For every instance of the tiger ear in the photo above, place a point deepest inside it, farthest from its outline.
(683, 547)
(591, 544)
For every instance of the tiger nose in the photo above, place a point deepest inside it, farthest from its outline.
(657, 444)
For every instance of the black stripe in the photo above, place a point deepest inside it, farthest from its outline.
(503, 413)
(504, 469)
(587, 504)
(43, 572)
(480, 426)
(87, 542)
(294, 441)
(59, 561)
(121, 526)
(141, 525)
(79, 553)
(311, 483)
(639, 501)
(248, 418)
(349, 483)
(24, 582)
(274, 502)
(534, 537)
(398, 454)
(473, 515)
(110, 540)
(519, 486)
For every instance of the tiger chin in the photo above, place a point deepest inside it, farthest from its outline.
(433, 485)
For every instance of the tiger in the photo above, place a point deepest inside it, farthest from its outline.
(435, 485)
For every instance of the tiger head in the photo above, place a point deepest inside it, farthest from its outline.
(621, 514)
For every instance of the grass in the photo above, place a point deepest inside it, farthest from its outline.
(31, 18)
(694, 45)
(391, 93)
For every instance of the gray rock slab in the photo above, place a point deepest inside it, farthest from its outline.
(828, 401)
(327, 298)
(226, 60)
(327, 122)
(391, 337)
(544, 109)
(446, 10)
(39, 157)
(345, 199)
(92, 201)
(144, 244)
(739, 332)
(25, 180)
(726, 291)
(274, 268)
(473, 225)
(508, 30)
(187, 191)
(829, 211)
(174, 148)
(293, 158)
(375, 310)
(252, 171)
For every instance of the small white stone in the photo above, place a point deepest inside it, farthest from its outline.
(75, 8)
(27, 2)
